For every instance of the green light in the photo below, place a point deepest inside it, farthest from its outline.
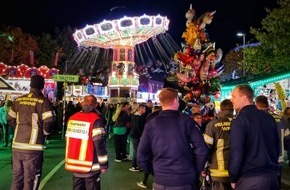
(9, 37)
(254, 83)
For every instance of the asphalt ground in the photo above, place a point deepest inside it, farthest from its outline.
(55, 177)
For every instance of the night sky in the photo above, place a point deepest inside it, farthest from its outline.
(231, 17)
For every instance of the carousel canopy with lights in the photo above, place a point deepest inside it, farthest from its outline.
(126, 31)
(122, 33)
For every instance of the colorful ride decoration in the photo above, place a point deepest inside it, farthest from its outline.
(198, 66)
(25, 72)
(122, 35)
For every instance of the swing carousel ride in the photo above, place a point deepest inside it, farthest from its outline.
(122, 35)
(194, 68)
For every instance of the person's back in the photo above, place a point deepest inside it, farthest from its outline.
(217, 136)
(262, 103)
(86, 154)
(32, 117)
(137, 125)
(173, 143)
(120, 130)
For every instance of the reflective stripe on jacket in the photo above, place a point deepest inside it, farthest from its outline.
(32, 117)
(79, 144)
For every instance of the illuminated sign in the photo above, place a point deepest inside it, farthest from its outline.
(66, 78)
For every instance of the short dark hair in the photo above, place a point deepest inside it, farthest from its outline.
(37, 81)
(286, 112)
(262, 101)
(226, 104)
(123, 104)
(141, 105)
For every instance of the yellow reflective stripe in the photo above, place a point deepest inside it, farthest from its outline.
(102, 159)
(26, 146)
(208, 139)
(219, 173)
(47, 114)
(66, 147)
(96, 167)
(97, 131)
(12, 113)
(74, 168)
(34, 129)
(79, 162)
(16, 128)
(83, 149)
(220, 154)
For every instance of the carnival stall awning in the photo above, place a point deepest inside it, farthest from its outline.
(253, 81)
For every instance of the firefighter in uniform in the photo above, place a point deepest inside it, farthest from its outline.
(262, 103)
(217, 134)
(32, 118)
(86, 154)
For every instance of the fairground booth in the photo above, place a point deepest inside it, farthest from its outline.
(273, 85)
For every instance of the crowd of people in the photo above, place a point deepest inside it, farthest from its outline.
(241, 146)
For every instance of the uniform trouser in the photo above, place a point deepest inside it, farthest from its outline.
(162, 187)
(27, 168)
(262, 182)
(218, 185)
(88, 183)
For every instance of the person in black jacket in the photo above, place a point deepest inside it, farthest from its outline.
(172, 146)
(262, 103)
(149, 106)
(254, 144)
(137, 127)
(143, 184)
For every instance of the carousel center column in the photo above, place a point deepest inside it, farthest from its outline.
(123, 80)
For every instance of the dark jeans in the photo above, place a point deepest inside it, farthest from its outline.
(265, 182)
(135, 143)
(120, 143)
(146, 176)
(88, 183)
(27, 169)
